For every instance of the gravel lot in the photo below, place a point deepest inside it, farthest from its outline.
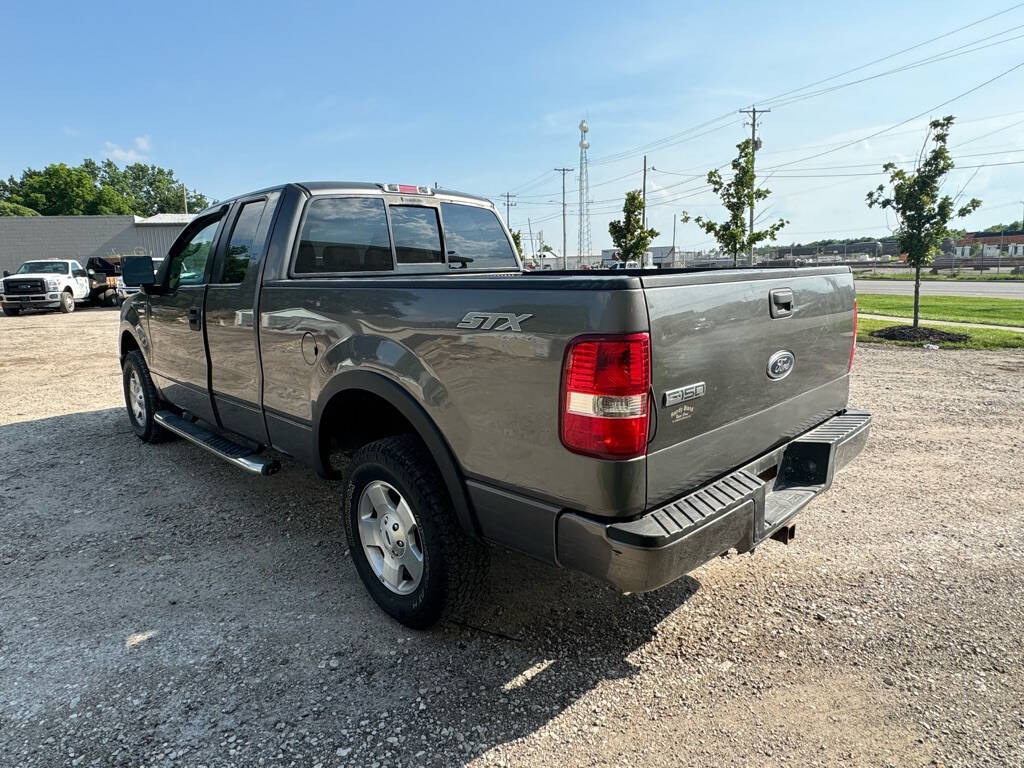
(158, 607)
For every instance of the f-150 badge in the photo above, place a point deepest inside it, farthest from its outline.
(493, 321)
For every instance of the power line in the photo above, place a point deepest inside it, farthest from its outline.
(990, 133)
(902, 122)
(672, 139)
(934, 59)
(894, 55)
(883, 173)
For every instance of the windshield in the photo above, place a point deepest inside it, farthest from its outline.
(44, 267)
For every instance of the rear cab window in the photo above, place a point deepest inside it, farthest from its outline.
(346, 234)
(475, 233)
(417, 234)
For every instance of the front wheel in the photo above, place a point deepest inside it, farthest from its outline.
(12, 311)
(409, 550)
(141, 399)
(67, 302)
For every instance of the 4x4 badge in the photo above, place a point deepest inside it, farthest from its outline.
(493, 321)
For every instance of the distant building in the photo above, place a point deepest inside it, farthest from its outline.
(81, 237)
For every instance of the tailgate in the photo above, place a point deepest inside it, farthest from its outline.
(714, 336)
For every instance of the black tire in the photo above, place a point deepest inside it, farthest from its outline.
(454, 565)
(145, 427)
(12, 311)
(67, 302)
(109, 298)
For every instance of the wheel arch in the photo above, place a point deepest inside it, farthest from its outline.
(368, 388)
(128, 343)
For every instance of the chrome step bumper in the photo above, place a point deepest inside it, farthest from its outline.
(220, 446)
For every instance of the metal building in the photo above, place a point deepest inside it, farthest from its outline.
(81, 237)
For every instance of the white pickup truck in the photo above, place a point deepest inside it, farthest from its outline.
(45, 284)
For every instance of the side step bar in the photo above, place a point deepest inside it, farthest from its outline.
(230, 451)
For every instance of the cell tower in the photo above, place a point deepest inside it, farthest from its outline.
(584, 230)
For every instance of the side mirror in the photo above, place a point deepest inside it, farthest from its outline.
(6, 273)
(137, 271)
(79, 273)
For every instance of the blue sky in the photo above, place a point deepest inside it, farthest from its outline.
(487, 97)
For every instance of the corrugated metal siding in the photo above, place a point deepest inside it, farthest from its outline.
(156, 239)
(79, 237)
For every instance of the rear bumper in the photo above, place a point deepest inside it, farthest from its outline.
(737, 511)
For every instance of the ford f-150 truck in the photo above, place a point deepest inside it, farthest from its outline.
(630, 424)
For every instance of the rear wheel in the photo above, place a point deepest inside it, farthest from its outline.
(141, 399)
(67, 302)
(409, 550)
(12, 311)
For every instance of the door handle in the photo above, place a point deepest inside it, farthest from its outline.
(195, 319)
(780, 302)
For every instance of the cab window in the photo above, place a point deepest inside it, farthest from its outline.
(188, 266)
(344, 234)
(243, 250)
(417, 234)
(475, 233)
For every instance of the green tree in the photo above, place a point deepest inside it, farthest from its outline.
(62, 190)
(517, 238)
(737, 195)
(100, 188)
(14, 209)
(629, 236)
(922, 215)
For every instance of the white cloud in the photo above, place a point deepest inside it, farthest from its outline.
(142, 143)
(123, 156)
(69, 131)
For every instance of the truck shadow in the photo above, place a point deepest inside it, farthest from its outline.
(253, 621)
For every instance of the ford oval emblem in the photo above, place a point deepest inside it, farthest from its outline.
(780, 364)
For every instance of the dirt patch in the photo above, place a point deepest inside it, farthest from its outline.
(921, 334)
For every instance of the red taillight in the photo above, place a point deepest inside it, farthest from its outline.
(605, 401)
(853, 342)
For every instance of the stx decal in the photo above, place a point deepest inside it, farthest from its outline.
(493, 321)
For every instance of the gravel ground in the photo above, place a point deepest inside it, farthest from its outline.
(158, 607)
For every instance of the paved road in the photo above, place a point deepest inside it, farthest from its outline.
(997, 289)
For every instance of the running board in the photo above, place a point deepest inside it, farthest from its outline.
(230, 451)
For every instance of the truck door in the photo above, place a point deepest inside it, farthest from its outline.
(80, 278)
(231, 305)
(178, 356)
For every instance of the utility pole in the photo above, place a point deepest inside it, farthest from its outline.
(509, 203)
(563, 171)
(644, 193)
(674, 239)
(184, 197)
(754, 146)
(533, 247)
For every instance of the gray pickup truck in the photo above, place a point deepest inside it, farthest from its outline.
(630, 424)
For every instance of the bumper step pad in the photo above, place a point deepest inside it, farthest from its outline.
(680, 517)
